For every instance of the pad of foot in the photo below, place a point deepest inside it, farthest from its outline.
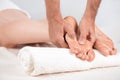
(84, 52)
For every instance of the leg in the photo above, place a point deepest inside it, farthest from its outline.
(103, 43)
(22, 30)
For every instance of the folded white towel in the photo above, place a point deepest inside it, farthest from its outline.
(39, 60)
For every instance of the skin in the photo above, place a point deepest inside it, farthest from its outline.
(87, 23)
(22, 30)
(84, 52)
(104, 44)
(57, 25)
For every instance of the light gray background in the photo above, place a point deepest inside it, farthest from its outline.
(108, 15)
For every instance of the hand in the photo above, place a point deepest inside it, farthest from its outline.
(87, 31)
(84, 52)
(57, 30)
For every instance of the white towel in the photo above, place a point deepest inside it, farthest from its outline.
(39, 60)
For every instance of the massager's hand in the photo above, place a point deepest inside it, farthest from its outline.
(57, 30)
(87, 23)
(87, 31)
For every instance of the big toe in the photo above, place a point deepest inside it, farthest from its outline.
(113, 51)
(105, 51)
(102, 48)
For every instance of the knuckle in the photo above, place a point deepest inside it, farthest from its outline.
(82, 36)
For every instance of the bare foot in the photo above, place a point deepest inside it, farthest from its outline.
(83, 52)
(103, 43)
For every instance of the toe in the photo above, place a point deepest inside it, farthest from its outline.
(103, 49)
(105, 52)
(79, 55)
(74, 50)
(83, 57)
(91, 55)
(87, 57)
(113, 51)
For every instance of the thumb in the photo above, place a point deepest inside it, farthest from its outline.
(82, 38)
(63, 43)
(92, 36)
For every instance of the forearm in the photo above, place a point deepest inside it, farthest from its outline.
(53, 10)
(91, 9)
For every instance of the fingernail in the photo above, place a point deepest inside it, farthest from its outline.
(81, 41)
(74, 38)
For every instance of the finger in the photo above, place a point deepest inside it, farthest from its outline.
(62, 43)
(82, 38)
(92, 36)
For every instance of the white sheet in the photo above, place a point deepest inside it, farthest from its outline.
(10, 69)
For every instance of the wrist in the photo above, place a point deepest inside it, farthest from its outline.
(55, 18)
(87, 21)
(89, 17)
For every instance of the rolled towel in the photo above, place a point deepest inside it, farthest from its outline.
(44, 60)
